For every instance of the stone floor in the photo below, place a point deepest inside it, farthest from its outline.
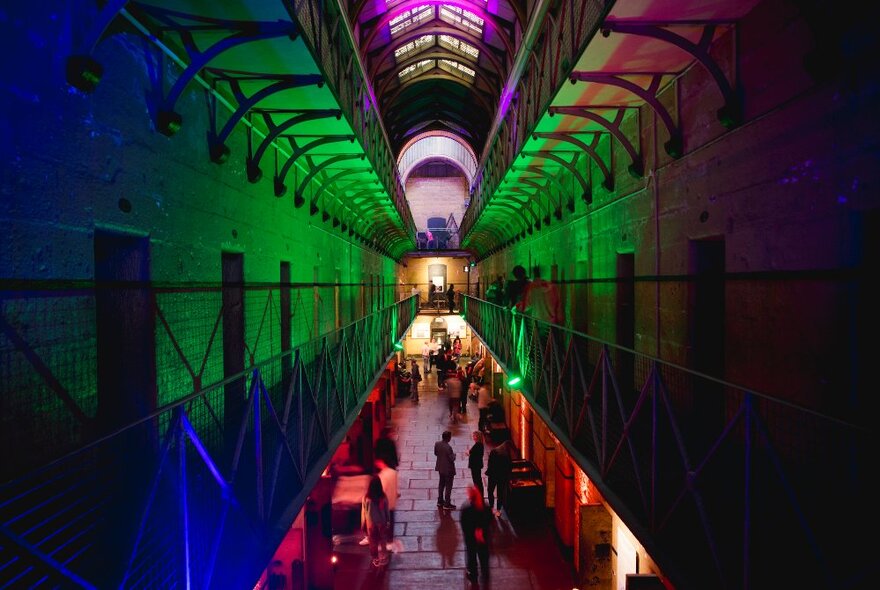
(523, 556)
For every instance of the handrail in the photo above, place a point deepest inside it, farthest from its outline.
(181, 499)
(722, 486)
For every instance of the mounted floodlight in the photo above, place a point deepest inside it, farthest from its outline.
(514, 380)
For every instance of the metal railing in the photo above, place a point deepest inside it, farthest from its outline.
(725, 487)
(437, 238)
(181, 498)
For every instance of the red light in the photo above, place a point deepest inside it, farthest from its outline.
(334, 559)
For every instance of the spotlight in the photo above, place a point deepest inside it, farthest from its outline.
(398, 345)
(514, 380)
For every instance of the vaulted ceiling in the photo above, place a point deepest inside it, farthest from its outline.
(330, 92)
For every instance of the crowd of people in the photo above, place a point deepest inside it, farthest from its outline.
(476, 515)
(533, 296)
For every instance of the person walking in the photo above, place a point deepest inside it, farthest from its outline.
(498, 472)
(416, 380)
(388, 476)
(375, 516)
(465, 384)
(476, 526)
(450, 297)
(445, 467)
(517, 287)
(495, 292)
(541, 300)
(452, 384)
(386, 448)
(484, 397)
(426, 358)
(475, 460)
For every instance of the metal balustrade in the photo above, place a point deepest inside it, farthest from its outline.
(190, 496)
(724, 487)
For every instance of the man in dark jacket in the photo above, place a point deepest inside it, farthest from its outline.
(476, 524)
(475, 460)
(517, 287)
(445, 466)
(498, 471)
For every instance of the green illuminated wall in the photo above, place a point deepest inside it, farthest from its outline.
(76, 163)
(789, 194)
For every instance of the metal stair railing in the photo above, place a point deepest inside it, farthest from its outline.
(177, 499)
(723, 486)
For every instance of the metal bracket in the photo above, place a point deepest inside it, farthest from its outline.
(83, 72)
(554, 205)
(730, 115)
(168, 121)
(276, 130)
(217, 148)
(589, 149)
(637, 166)
(298, 198)
(587, 190)
(299, 151)
(675, 145)
(330, 180)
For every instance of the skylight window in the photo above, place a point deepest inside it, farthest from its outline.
(460, 47)
(416, 69)
(460, 70)
(464, 18)
(410, 18)
(408, 50)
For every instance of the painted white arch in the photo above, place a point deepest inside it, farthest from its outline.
(437, 145)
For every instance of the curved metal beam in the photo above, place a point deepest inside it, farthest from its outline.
(544, 173)
(555, 207)
(298, 199)
(217, 148)
(675, 146)
(730, 115)
(636, 167)
(330, 180)
(253, 161)
(301, 150)
(590, 150)
(428, 77)
(168, 121)
(587, 195)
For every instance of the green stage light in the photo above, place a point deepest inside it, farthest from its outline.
(398, 346)
(514, 380)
